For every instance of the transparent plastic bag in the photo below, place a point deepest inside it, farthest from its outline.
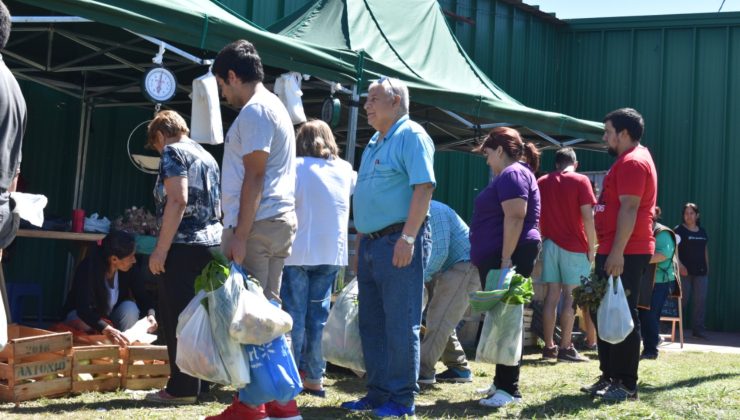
(221, 307)
(614, 318)
(197, 354)
(256, 320)
(340, 341)
(189, 310)
(502, 335)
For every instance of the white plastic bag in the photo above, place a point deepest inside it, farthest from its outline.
(288, 89)
(30, 207)
(189, 310)
(257, 321)
(205, 116)
(614, 319)
(221, 307)
(340, 341)
(197, 354)
(502, 335)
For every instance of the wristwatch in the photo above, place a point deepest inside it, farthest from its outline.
(408, 239)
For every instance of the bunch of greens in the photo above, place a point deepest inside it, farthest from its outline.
(214, 274)
(590, 292)
(520, 292)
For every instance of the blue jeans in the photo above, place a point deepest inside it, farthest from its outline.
(390, 316)
(650, 319)
(306, 296)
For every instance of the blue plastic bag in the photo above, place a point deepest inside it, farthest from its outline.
(273, 373)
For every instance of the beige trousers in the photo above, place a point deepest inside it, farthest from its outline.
(268, 246)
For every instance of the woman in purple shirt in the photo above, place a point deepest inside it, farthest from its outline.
(504, 230)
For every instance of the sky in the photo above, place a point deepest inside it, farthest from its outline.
(577, 9)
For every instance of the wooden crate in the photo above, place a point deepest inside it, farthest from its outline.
(144, 367)
(96, 368)
(35, 363)
(529, 339)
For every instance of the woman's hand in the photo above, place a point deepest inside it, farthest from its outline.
(152, 324)
(506, 263)
(682, 270)
(157, 260)
(115, 336)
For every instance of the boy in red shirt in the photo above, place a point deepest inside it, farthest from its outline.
(623, 219)
(568, 247)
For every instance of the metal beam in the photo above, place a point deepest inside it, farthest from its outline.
(48, 19)
(42, 82)
(352, 126)
(94, 47)
(546, 137)
(24, 60)
(172, 48)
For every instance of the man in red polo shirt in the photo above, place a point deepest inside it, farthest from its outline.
(623, 219)
(568, 247)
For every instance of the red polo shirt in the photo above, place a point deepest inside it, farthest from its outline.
(633, 173)
(562, 195)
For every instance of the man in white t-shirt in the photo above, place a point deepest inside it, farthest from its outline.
(257, 188)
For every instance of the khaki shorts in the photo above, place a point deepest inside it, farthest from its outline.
(268, 246)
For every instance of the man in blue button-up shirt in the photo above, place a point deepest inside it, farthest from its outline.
(391, 202)
(450, 278)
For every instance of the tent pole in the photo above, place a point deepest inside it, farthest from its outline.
(76, 199)
(352, 127)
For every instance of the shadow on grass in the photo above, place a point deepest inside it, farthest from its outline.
(64, 404)
(646, 388)
(572, 404)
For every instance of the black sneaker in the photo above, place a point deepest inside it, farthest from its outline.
(455, 375)
(648, 356)
(598, 387)
(550, 352)
(617, 392)
(570, 355)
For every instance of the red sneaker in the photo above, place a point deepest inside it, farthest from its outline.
(240, 411)
(288, 411)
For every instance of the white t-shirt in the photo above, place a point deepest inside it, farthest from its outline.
(112, 292)
(322, 198)
(263, 124)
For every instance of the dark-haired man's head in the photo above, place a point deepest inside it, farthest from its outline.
(4, 25)
(622, 128)
(238, 69)
(565, 157)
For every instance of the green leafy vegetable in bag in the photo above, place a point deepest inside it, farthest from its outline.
(519, 292)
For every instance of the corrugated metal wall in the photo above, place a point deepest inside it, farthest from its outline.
(682, 74)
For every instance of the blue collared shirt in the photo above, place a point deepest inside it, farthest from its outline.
(450, 239)
(390, 168)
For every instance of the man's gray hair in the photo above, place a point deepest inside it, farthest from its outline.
(393, 86)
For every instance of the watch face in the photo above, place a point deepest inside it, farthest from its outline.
(160, 84)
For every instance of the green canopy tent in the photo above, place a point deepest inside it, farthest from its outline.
(411, 40)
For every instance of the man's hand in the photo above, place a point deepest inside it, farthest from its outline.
(157, 260)
(236, 250)
(403, 252)
(614, 265)
(115, 336)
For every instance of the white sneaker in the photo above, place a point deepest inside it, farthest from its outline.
(500, 399)
(488, 392)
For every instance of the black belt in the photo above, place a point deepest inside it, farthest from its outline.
(397, 227)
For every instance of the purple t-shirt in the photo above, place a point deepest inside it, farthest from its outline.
(487, 227)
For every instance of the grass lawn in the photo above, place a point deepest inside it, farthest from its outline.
(692, 386)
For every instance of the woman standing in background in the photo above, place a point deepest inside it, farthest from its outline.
(693, 255)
